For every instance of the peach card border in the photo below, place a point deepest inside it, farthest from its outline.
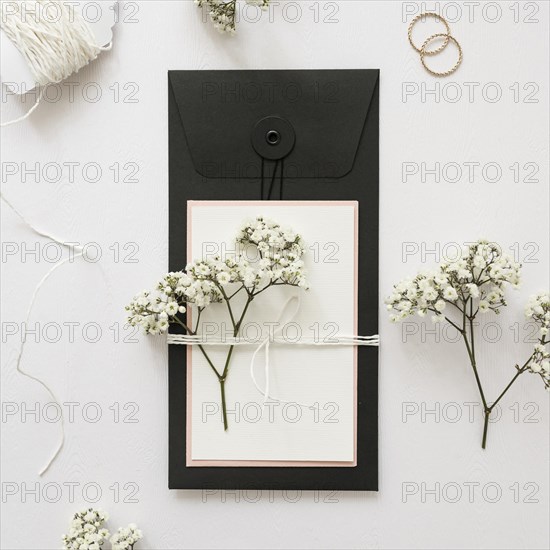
(190, 462)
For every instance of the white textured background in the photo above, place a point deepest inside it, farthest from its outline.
(436, 453)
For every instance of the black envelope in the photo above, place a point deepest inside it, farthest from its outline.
(292, 135)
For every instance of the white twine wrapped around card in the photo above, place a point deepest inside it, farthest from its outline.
(340, 340)
(53, 47)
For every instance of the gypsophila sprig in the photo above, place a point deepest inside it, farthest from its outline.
(86, 531)
(223, 13)
(266, 255)
(126, 537)
(280, 251)
(457, 292)
(481, 275)
(538, 309)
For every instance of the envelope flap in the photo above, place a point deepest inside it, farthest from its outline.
(327, 110)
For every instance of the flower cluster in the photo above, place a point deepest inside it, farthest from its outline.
(275, 259)
(280, 252)
(86, 531)
(222, 12)
(126, 537)
(538, 309)
(480, 274)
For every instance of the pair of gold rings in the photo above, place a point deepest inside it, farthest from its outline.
(424, 51)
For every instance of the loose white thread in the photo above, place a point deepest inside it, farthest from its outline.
(52, 36)
(339, 340)
(79, 253)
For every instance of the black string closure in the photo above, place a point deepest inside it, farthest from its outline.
(273, 139)
(271, 189)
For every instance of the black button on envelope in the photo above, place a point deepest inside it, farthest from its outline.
(273, 138)
(296, 135)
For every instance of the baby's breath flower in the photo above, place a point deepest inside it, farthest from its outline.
(86, 531)
(223, 278)
(474, 284)
(538, 310)
(126, 537)
(480, 274)
(203, 281)
(450, 294)
(223, 12)
(483, 306)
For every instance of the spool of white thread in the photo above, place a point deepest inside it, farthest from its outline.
(48, 40)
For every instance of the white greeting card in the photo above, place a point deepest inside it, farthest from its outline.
(310, 419)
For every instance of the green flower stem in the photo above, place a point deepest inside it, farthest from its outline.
(236, 292)
(485, 427)
(223, 377)
(520, 372)
(209, 361)
(470, 347)
(189, 331)
(198, 319)
(236, 328)
(489, 410)
(238, 325)
(220, 288)
(471, 354)
(224, 406)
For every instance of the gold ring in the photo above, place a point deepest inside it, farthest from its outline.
(437, 17)
(423, 53)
